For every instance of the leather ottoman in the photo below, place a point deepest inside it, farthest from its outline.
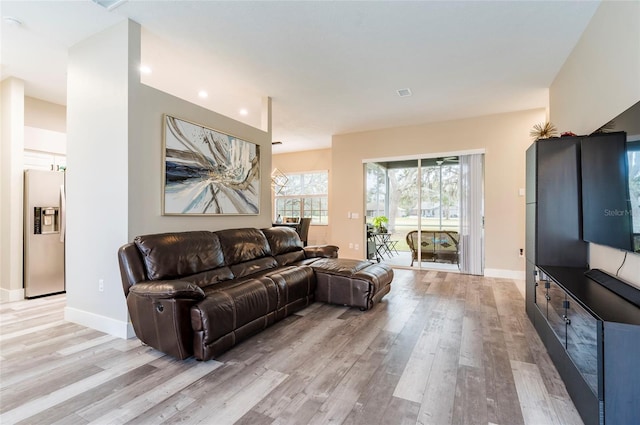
(356, 283)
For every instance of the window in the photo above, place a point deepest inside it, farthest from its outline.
(376, 190)
(305, 195)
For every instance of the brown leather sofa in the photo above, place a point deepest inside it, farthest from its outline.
(200, 293)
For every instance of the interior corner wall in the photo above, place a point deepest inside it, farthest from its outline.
(600, 78)
(504, 137)
(312, 160)
(599, 81)
(11, 188)
(629, 121)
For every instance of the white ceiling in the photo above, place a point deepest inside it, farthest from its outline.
(330, 67)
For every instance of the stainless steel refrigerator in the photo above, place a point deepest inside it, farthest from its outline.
(43, 233)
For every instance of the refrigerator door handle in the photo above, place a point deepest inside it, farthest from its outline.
(63, 213)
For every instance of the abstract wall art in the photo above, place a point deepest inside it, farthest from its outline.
(207, 172)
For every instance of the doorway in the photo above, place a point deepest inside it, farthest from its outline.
(422, 200)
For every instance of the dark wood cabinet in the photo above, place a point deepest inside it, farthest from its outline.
(553, 208)
(554, 203)
(591, 333)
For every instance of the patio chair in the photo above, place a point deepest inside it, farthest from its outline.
(436, 245)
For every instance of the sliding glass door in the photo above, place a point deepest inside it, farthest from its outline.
(421, 201)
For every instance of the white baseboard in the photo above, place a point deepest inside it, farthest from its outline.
(8, 295)
(505, 274)
(104, 324)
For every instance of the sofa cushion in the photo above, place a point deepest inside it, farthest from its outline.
(233, 305)
(210, 277)
(285, 245)
(172, 255)
(240, 245)
(340, 266)
(282, 240)
(254, 266)
(290, 257)
(293, 283)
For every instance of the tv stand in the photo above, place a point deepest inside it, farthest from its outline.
(592, 334)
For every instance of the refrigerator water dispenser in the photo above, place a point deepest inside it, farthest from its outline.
(46, 220)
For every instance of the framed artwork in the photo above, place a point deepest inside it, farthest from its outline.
(207, 172)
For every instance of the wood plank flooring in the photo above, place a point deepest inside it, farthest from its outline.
(441, 348)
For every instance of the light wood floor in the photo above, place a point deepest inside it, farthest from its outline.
(441, 348)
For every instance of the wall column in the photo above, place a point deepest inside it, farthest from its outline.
(11, 184)
(100, 72)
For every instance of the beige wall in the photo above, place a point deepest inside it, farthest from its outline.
(503, 137)
(41, 114)
(601, 77)
(145, 170)
(312, 160)
(599, 81)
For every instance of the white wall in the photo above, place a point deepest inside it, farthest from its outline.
(97, 177)
(39, 139)
(114, 172)
(11, 187)
(599, 81)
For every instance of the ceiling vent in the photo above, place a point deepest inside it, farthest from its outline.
(404, 92)
(109, 4)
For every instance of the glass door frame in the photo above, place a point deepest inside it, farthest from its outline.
(419, 158)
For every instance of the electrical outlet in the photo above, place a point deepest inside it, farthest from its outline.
(357, 246)
(521, 252)
(101, 285)
(350, 245)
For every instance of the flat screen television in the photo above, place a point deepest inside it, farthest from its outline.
(610, 181)
(633, 156)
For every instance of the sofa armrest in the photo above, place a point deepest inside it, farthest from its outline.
(321, 251)
(167, 289)
(160, 314)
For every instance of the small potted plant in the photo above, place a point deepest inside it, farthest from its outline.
(378, 222)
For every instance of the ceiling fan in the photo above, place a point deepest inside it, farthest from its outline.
(448, 159)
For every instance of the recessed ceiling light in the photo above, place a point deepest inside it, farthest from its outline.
(203, 94)
(144, 69)
(404, 92)
(10, 20)
(243, 111)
